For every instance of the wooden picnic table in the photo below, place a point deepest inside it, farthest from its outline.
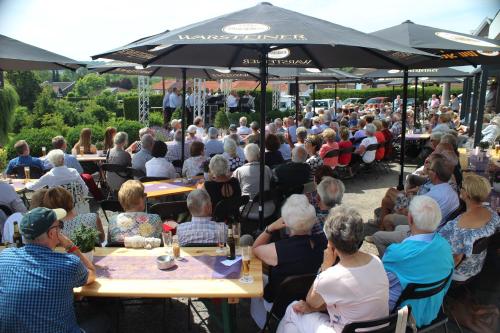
(464, 158)
(170, 187)
(417, 136)
(20, 184)
(85, 158)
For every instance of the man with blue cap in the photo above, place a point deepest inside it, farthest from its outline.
(36, 283)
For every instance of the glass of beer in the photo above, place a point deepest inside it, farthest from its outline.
(176, 248)
(167, 241)
(26, 174)
(44, 151)
(82, 150)
(246, 255)
(497, 149)
(236, 235)
(221, 238)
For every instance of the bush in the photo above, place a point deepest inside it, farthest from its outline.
(55, 122)
(8, 103)
(108, 101)
(36, 138)
(22, 119)
(73, 134)
(69, 112)
(3, 159)
(131, 105)
(221, 120)
(90, 85)
(156, 119)
(99, 112)
(131, 127)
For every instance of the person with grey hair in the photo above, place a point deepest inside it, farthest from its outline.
(271, 129)
(212, 145)
(423, 257)
(362, 153)
(301, 136)
(174, 150)
(118, 155)
(58, 175)
(231, 154)
(136, 146)
(221, 184)
(142, 156)
(309, 112)
(201, 229)
(334, 285)
(243, 129)
(330, 192)
(294, 173)
(301, 253)
(279, 125)
(59, 142)
(248, 174)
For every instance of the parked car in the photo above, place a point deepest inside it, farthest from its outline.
(377, 100)
(322, 103)
(354, 100)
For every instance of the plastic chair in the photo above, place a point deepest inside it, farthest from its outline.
(135, 173)
(35, 172)
(120, 170)
(381, 325)
(229, 209)
(169, 210)
(293, 288)
(332, 153)
(178, 164)
(110, 205)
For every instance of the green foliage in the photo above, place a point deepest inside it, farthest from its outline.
(97, 111)
(85, 238)
(44, 104)
(221, 120)
(27, 86)
(107, 100)
(176, 114)
(131, 127)
(484, 145)
(73, 134)
(55, 122)
(90, 85)
(156, 119)
(131, 107)
(71, 116)
(36, 138)
(8, 103)
(22, 119)
(3, 159)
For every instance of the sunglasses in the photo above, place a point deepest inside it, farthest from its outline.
(60, 225)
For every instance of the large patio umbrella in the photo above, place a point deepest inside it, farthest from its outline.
(419, 72)
(16, 55)
(265, 35)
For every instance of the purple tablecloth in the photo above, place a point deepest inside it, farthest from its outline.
(167, 186)
(144, 268)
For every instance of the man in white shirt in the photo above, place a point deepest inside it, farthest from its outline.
(58, 175)
(159, 166)
(200, 130)
(338, 104)
(232, 101)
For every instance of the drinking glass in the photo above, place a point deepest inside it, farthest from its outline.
(167, 241)
(44, 151)
(176, 248)
(246, 256)
(221, 238)
(82, 150)
(236, 235)
(26, 174)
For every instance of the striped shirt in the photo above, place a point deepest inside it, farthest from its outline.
(201, 230)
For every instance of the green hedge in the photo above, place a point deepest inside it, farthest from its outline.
(131, 127)
(380, 92)
(74, 134)
(36, 138)
(156, 119)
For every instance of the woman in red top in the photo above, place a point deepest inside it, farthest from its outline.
(379, 155)
(344, 159)
(330, 144)
(388, 139)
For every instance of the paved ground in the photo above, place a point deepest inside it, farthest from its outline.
(363, 193)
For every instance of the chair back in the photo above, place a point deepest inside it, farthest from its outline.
(373, 146)
(6, 210)
(293, 288)
(422, 290)
(381, 325)
(35, 172)
(135, 173)
(358, 140)
(169, 210)
(79, 200)
(119, 169)
(178, 164)
(200, 245)
(347, 150)
(480, 245)
(110, 205)
(332, 153)
(229, 209)
(152, 179)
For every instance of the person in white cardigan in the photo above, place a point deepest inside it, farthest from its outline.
(492, 131)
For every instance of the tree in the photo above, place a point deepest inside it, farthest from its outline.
(8, 103)
(90, 85)
(44, 104)
(27, 86)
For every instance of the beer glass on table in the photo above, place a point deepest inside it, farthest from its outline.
(236, 235)
(167, 241)
(26, 174)
(221, 238)
(246, 256)
(176, 248)
(82, 150)
(44, 151)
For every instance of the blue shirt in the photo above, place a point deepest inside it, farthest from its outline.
(23, 160)
(201, 230)
(446, 197)
(36, 290)
(213, 146)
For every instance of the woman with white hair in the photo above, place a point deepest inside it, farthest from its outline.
(212, 144)
(221, 184)
(362, 153)
(342, 288)
(248, 174)
(119, 156)
(492, 131)
(301, 253)
(231, 154)
(193, 166)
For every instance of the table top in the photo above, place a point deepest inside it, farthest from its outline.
(85, 158)
(169, 187)
(209, 288)
(20, 184)
(463, 158)
(417, 136)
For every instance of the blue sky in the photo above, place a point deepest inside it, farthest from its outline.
(81, 28)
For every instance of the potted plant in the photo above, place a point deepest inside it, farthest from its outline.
(484, 145)
(85, 238)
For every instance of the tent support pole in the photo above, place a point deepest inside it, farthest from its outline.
(465, 97)
(335, 101)
(1, 79)
(393, 98)
(183, 116)
(403, 130)
(314, 98)
(423, 101)
(263, 87)
(163, 85)
(480, 105)
(474, 106)
(297, 101)
(415, 111)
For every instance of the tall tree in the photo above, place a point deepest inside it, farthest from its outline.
(8, 103)
(27, 86)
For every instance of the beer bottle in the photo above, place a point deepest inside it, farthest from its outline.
(18, 239)
(231, 243)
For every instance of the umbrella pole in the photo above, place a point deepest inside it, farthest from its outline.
(415, 113)
(393, 98)
(314, 98)
(466, 100)
(263, 87)
(183, 116)
(473, 111)
(1, 79)
(403, 129)
(335, 101)
(480, 105)
(423, 100)
(163, 85)
(464, 93)
(297, 101)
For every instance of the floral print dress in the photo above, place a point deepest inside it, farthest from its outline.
(462, 241)
(134, 224)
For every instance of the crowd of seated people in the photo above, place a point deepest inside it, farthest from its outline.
(313, 232)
